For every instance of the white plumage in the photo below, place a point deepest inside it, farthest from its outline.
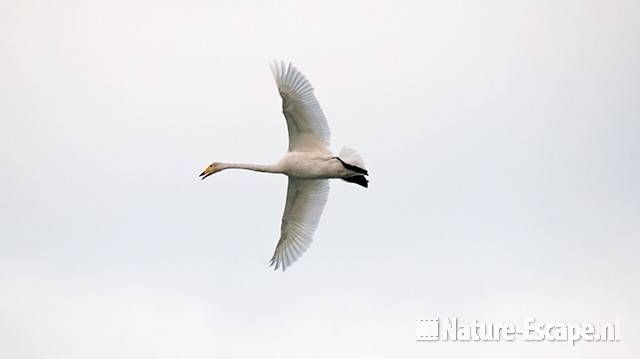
(305, 201)
(308, 163)
(308, 128)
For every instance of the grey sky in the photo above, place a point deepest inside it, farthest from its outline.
(502, 139)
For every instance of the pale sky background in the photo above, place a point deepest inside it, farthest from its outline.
(502, 138)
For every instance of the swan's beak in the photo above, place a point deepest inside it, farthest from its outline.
(207, 172)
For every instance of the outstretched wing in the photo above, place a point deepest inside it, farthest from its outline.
(308, 128)
(305, 201)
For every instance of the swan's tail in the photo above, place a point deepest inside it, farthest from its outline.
(351, 157)
(351, 160)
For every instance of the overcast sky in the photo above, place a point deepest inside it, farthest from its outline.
(502, 138)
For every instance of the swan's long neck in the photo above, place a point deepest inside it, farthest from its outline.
(251, 167)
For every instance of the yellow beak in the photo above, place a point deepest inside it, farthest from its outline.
(207, 172)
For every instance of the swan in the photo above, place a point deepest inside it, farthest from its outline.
(308, 163)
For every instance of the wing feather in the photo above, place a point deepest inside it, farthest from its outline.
(306, 199)
(306, 123)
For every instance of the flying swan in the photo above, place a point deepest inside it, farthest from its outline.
(308, 163)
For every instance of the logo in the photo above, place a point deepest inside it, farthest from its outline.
(452, 329)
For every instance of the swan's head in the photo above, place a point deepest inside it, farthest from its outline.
(211, 169)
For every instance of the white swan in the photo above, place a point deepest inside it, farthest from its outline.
(308, 164)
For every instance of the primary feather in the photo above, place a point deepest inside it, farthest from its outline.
(306, 123)
(305, 202)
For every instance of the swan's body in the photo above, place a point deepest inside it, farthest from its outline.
(309, 165)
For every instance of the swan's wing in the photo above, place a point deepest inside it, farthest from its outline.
(308, 128)
(305, 201)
